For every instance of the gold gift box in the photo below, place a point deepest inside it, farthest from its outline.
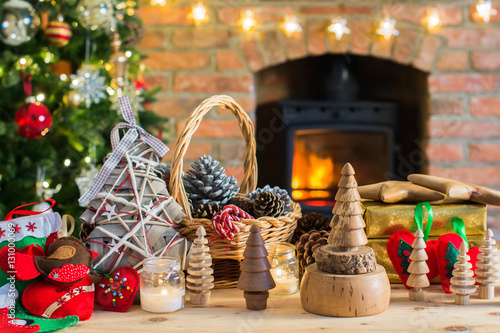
(382, 220)
(380, 248)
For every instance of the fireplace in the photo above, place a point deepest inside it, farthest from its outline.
(336, 110)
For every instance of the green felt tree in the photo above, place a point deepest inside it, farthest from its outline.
(404, 252)
(451, 255)
(77, 131)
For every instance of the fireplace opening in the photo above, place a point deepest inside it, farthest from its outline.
(316, 114)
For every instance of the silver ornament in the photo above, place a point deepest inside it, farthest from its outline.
(90, 85)
(97, 14)
(19, 22)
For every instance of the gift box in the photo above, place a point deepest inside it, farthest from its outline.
(380, 247)
(383, 220)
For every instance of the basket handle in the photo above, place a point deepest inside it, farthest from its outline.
(249, 181)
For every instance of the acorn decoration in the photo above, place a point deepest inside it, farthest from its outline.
(311, 221)
(206, 211)
(268, 204)
(307, 245)
(58, 32)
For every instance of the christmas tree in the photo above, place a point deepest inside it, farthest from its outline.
(62, 68)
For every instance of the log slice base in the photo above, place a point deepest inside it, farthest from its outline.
(338, 295)
(331, 260)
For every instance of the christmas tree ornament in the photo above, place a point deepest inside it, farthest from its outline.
(206, 211)
(72, 98)
(281, 193)
(462, 282)
(19, 22)
(346, 281)
(116, 292)
(134, 95)
(418, 268)
(90, 85)
(206, 182)
(34, 120)
(97, 14)
(117, 63)
(311, 221)
(58, 32)
(307, 244)
(129, 202)
(200, 279)
(243, 202)
(268, 204)
(137, 32)
(486, 266)
(255, 279)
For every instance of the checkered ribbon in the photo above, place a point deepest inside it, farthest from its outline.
(120, 147)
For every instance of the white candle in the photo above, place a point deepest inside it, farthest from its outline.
(286, 284)
(162, 299)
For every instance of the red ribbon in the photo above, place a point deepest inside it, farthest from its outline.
(222, 222)
(27, 83)
(18, 211)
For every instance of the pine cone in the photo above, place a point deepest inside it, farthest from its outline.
(205, 211)
(268, 204)
(281, 193)
(311, 221)
(243, 202)
(85, 230)
(207, 182)
(307, 245)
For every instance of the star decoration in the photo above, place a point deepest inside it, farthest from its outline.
(31, 226)
(139, 164)
(2, 232)
(90, 85)
(110, 212)
(17, 229)
(55, 276)
(61, 301)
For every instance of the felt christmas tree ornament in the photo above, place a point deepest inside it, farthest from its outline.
(15, 325)
(399, 246)
(46, 325)
(116, 292)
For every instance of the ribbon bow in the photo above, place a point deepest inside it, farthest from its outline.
(419, 217)
(120, 147)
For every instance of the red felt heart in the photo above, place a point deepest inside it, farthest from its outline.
(54, 301)
(116, 293)
(399, 250)
(68, 273)
(20, 261)
(447, 251)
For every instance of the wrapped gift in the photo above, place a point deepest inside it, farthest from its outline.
(380, 247)
(382, 219)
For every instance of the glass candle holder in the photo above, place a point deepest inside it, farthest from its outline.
(284, 268)
(162, 285)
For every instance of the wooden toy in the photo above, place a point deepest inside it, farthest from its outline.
(397, 191)
(418, 268)
(200, 279)
(255, 278)
(485, 272)
(462, 282)
(346, 281)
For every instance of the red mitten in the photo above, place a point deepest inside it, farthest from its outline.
(399, 250)
(447, 251)
(49, 300)
(117, 292)
(22, 261)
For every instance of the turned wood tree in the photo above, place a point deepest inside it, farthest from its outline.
(418, 268)
(462, 282)
(200, 279)
(255, 278)
(485, 272)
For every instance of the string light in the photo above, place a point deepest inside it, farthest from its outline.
(63, 77)
(67, 162)
(40, 97)
(45, 184)
(247, 21)
(158, 2)
(386, 28)
(128, 54)
(485, 10)
(198, 14)
(291, 26)
(339, 28)
(432, 20)
(88, 159)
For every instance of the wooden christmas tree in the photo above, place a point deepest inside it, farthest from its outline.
(418, 268)
(200, 279)
(485, 266)
(255, 278)
(462, 282)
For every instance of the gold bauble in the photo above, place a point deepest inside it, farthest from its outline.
(72, 98)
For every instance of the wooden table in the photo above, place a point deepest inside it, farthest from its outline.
(227, 313)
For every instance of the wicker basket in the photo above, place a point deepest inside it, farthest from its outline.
(227, 255)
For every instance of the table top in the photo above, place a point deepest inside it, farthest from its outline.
(226, 312)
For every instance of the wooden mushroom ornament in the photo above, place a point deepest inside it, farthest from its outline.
(418, 268)
(485, 272)
(255, 279)
(200, 279)
(346, 281)
(462, 282)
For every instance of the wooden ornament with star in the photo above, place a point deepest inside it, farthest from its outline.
(134, 194)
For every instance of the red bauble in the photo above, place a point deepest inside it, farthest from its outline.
(34, 120)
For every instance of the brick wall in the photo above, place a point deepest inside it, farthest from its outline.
(463, 59)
